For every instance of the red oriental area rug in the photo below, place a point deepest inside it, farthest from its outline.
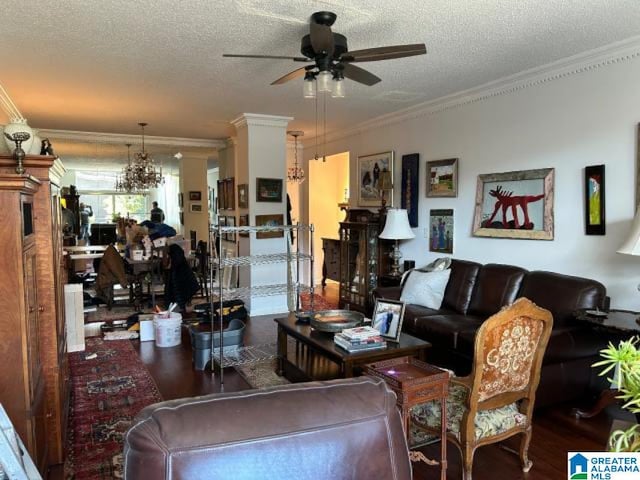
(106, 394)
(319, 303)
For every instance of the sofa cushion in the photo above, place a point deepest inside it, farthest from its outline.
(443, 330)
(562, 294)
(460, 287)
(425, 288)
(496, 286)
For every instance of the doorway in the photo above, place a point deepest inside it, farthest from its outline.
(328, 186)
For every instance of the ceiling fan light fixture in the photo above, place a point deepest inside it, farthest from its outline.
(309, 86)
(324, 81)
(338, 90)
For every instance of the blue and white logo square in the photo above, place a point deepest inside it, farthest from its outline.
(603, 466)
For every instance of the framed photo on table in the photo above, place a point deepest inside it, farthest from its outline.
(387, 318)
(369, 169)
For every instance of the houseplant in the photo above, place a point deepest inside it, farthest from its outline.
(624, 362)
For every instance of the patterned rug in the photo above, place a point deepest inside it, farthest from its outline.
(106, 393)
(319, 303)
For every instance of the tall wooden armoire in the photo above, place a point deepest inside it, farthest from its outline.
(49, 277)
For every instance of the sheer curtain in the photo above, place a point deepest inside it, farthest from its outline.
(167, 197)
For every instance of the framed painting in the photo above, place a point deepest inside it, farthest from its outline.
(243, 221)
(441, 227)
(269, 221)
(410, 186)
(243, 196)
(181, 218)
(231, 222)
(442, 178)
(594, 208)
(515, 205)
(221, 198)
(222, 221)
(180, 200)
(230, 193)
(268, 190)
(195, 196)
(370, 168)
(195, 207)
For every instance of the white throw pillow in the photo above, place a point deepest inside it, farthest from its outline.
(425, 288)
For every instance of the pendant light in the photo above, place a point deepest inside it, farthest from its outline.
(296, 173)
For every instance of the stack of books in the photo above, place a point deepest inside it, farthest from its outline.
(359, 339)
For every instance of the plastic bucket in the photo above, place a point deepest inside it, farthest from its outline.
(168, 331)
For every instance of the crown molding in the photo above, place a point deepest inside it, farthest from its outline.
(258, 119)
(615, 53)
(121, 138)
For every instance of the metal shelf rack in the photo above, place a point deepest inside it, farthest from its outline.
(293, 285)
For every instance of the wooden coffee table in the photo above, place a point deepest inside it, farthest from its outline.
(305, 354)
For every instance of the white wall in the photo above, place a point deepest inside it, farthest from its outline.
(587, 116)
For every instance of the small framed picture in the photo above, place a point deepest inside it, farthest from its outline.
(243, 195)
(231, 222)
(387, 318)
(195, 207)
(268, 190)
(195, 196)
(442, 178)
(243, 221)
(180, 200)
(181, 218)
(594, 200)
(230, 192)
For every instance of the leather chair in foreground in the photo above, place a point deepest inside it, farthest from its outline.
(337, 430)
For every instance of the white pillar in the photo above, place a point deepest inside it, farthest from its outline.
(193, 178)
(261, 152)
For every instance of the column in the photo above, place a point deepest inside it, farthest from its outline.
(193, 178)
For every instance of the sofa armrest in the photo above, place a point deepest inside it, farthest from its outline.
(392, 293)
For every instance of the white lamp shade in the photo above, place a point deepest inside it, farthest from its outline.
(631, 246)
(397, 226)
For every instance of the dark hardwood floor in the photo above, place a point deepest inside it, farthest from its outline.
(555, 430)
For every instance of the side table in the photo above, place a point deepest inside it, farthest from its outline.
(616, 325)
(415, 382)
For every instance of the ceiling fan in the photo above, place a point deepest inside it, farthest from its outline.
(332, 59)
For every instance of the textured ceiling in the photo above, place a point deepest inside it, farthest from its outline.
(96, 65)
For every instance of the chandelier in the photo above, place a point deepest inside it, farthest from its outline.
(295, 173)
(141, 174)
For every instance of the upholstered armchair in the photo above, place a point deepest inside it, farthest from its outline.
(496, 401)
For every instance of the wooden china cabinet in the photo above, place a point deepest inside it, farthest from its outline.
(33, 332)
(364, 258)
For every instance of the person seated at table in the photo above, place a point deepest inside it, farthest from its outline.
(110, 272)
(180, 283)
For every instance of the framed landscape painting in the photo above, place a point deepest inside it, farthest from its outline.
(369, 169)
(410, 187)
(269, 221)
(268, 190)
(243, 195)
(441, 230)
(594, 200)
(442, 178)
(515, 205)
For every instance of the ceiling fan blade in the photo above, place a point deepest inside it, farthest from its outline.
(321, 38)
(299, 72)
(278, 57)
(384, 53)
(360, 75)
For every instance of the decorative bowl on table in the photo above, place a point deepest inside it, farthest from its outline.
(336, 320)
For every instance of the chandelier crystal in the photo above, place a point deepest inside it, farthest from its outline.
(140, 174)
(295, 173)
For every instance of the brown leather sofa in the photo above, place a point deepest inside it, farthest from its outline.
(475, 292)
(342, 429)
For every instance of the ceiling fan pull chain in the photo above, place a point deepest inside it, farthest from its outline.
(324, 129)
(316, 115)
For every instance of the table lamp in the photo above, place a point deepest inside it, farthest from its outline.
(396, 228)
(631, 245)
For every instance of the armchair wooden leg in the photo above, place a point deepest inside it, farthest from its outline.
(524, 450)
(467, 461)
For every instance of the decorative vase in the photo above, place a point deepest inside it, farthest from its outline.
(19, 125)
